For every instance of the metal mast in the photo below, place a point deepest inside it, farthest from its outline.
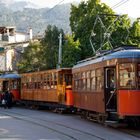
(60, 51)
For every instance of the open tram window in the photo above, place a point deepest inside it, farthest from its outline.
(138, 69)
(84, 82)
(45, 81)
(110, 78)
(15, 84)
(93, 80)
(88, 80)
(55, 80)
(60, 79)
(68, 79)
(79, 81)
(98, 80)
(75, 78)
(127, 75)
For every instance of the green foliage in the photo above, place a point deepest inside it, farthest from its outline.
(82, 22)
(50, 45)
(44, 55)
(135, 33)
(31, 58)
(121, 31)
(71, 52)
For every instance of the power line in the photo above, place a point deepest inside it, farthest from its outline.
(51, 8)
(55, 6)
(119, 4)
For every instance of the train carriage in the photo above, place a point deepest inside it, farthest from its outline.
(108, 86)
(11, 81)
(50, 88)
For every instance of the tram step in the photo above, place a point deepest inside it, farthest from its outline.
(115, 124)
(110, 110)
(111, 122)
(113, 116)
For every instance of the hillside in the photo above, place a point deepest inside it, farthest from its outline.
(23, 15)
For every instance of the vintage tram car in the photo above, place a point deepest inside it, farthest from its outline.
(51, 88)
(11, 81)
(108, 86)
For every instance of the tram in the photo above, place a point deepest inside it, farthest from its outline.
(104, 87)
(107, 87)
(11, 81)
(51, 88)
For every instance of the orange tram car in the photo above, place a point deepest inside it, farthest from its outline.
(52, 88)
(10, 82)
(105, 87)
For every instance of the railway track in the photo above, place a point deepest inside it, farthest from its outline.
(47, 124)
(58, 127)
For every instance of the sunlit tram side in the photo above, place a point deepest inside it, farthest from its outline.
(10, 82)
(108, 86)
(51, 88)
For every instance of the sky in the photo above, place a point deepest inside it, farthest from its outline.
(130, 7)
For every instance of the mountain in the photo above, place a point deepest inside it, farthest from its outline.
(16, 6)
(6, 2)
(24, 15)
(20, 6)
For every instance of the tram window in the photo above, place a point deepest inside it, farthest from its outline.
(23, 85)
(127, 75)
(55, 80)
(51, 80)
(139, 75)
(45, 85)
(45, 77)
(79, 84)
(93, 80)
(68, 79)
(35, 85)
(84, 83)
(48, 77)
(60, 79)
(110, 78)
(76, 84)
(48, 85)
(39, 85)
(99, 80)
(75, 78)
(88, 80)
(55, 84)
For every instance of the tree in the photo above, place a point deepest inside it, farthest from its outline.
(50, 44)
(99, 19)
(135, 32)
(31, 58)
(82, 20)
(71, 52)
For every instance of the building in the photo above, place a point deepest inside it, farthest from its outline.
(12, 44)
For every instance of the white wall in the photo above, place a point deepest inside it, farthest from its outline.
(2, 62)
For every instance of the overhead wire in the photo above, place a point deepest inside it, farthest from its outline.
(52, 8)
(113, 7)
(119, 4)
(55, 5)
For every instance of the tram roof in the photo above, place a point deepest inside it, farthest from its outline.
(10, 76)
(132, 53)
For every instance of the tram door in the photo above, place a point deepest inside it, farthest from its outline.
(110, 89)
(5, 85)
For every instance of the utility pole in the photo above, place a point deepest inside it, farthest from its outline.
(5, 60)
(60, 51)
